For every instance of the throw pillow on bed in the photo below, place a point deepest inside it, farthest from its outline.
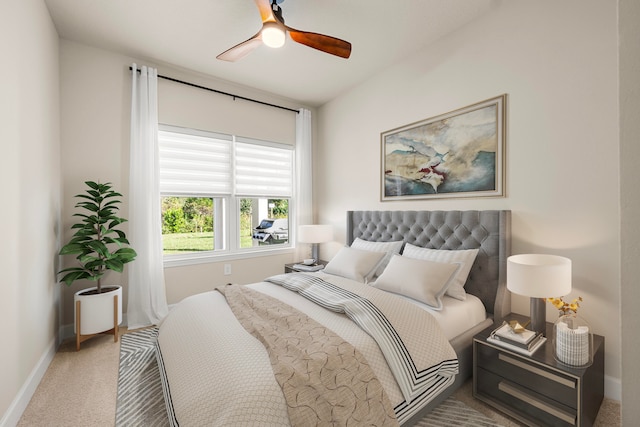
(354, 264)
(421, 280)
(465, 257)
(389, 248)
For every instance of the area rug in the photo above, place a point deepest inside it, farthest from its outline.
(141, 402)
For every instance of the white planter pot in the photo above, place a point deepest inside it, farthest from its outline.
(97, 310)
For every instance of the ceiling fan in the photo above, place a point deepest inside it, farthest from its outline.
(273, 34)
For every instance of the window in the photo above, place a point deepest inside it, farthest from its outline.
(263, 222)
(223, 194)
(187, 224)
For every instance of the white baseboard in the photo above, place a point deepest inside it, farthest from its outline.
(66, 332)
(19, 404)
(613, 388)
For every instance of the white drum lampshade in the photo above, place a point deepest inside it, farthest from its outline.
(314, 234)
(539, 276)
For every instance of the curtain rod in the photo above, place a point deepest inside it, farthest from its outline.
(223, 93)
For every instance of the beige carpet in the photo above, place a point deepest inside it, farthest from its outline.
(80, 388)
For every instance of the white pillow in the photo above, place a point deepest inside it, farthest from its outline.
(389, 248)
(354, 264)
(424, 281)
(466, 257)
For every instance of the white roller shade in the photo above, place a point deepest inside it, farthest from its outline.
(263, 170)
(192, 164)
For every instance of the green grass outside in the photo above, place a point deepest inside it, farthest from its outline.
(178, 243)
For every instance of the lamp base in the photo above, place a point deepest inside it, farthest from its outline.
(538, 315)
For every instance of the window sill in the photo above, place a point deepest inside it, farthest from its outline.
(207, 257)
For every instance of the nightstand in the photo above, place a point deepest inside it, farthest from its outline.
(538, 390)
(289, 268)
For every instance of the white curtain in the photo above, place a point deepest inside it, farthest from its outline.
(304, 182)
(147, 303)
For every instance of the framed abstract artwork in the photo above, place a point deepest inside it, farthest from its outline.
(457, 154)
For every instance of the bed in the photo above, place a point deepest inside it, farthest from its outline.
(215, 372)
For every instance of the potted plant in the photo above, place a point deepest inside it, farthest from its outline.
(99, 247)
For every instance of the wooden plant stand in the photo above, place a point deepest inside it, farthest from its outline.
(81, 338)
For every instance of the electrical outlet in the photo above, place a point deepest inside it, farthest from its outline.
(227, 269)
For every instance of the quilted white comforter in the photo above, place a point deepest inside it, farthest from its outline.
(216, 373)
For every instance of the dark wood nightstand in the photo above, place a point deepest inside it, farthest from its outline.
(538, 390)
(289, 268)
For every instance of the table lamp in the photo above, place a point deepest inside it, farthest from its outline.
(538, 277)
(315, 234)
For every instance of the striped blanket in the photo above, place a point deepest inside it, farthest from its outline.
(417, 364)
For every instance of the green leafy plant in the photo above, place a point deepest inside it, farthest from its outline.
(96, 237)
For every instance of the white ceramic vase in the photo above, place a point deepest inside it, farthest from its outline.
(97, 310)
(572, 341)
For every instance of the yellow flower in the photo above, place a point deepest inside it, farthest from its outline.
(565, 307)
(558, 303)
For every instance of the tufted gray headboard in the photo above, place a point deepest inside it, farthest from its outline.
(490, 231)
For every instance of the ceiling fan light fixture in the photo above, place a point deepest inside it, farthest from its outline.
(273, 34)
(274, 31)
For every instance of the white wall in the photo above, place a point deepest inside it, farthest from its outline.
(94, 127)
(96, 99)
(557, 61)
(30, 176)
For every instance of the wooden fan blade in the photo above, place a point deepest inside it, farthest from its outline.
(241, 50)
(321, 42)
(264, 6)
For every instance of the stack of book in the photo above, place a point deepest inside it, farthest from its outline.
(305, 267)
(525, 342)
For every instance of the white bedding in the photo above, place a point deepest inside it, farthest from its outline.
(190, 339)
(456, 316)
